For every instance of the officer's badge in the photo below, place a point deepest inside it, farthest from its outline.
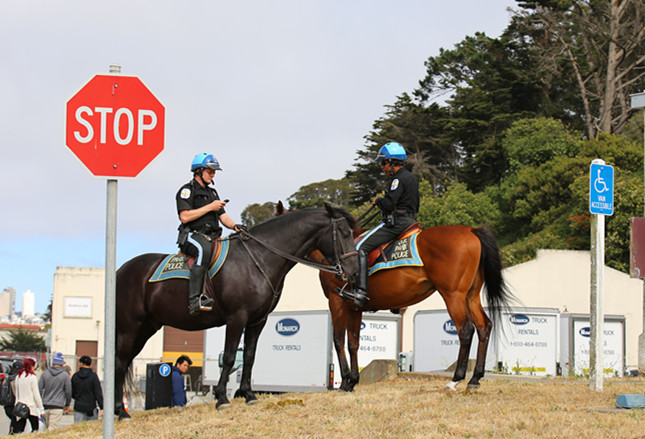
(395, 184)
(185, 193)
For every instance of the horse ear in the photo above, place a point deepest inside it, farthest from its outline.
(279, 208)
(330, 210)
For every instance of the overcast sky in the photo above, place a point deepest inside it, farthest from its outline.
(282, 92)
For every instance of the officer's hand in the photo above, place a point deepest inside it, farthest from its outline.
(240, 227)
(217, 205)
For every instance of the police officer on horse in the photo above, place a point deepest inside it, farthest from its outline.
(399, 206)
(201, 211)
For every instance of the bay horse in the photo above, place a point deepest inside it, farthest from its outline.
(245, 290)
(457, 262)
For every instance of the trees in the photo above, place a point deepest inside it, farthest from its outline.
(421, 129)
(337, 192)
(23, 340)
(600, 45)
(256, 213)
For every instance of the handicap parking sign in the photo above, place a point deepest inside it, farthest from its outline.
(601, 189)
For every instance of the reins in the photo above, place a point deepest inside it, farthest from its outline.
(363, 222)
(336, 269)
(244, 235)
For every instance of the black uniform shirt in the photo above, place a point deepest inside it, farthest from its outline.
(402, 197)
(193, 195)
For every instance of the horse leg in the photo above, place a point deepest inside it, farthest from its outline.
(484, 328)
(234, 329)
(353, 342)
(127, 349)
(251, 336)
(457, 310)
(339, 317)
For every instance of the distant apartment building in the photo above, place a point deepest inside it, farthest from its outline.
(7, 303)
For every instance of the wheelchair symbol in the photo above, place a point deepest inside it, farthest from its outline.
(599, 184)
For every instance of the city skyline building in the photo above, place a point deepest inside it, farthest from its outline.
(28, 304)
(8, 303)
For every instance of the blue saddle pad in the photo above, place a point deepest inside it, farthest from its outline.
(401, 253)
(176, 266)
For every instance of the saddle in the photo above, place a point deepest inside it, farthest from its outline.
(177, 266)
(382, 253)
(216, 248)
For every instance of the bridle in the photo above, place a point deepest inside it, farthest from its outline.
(339, 252)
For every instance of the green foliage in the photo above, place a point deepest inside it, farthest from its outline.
(456, 206)
(22, 340)
(337, 192)
(256, 213)
(530, 142)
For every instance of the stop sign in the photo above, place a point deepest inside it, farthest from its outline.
(115, 126)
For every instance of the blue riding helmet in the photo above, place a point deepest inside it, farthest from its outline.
(205, 160)
(391, 150)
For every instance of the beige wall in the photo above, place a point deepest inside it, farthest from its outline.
(77, 285)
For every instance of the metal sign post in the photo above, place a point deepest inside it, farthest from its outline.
(638, 102)
(125, 105)
(601, 203)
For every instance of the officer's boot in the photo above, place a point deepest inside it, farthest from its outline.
(359, 293)
(197, 301)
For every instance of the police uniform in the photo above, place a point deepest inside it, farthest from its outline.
(196, 237)
(400, 207)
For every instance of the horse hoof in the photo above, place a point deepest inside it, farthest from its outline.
(474, 386)
(252, 402)
(223, 406)
(451, 386)
(124, 416)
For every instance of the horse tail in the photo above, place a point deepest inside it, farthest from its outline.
(498, 294)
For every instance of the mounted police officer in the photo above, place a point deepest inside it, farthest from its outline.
(201, 211)
(400, 207)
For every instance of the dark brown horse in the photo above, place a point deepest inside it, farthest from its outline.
(246, 289)
(457, 262)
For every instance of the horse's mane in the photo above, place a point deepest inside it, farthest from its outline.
(296, 215)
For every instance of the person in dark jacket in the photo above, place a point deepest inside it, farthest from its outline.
(201, 211)
(56, 392)
(8, 410)
(86, 391)
(178, 398)
(400, 207)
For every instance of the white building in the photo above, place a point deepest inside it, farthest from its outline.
(28, 304)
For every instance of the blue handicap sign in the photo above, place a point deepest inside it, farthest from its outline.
(601, 189)
(164, 370)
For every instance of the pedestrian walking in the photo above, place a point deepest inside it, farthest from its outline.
(26, 391)
(86, 391)
(55, 388)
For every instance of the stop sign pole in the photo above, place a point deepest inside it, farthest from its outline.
(115, 126)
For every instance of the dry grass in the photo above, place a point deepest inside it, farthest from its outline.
(405, 407)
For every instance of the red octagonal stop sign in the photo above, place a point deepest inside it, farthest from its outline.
(115, 126)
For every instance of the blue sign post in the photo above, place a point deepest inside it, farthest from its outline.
(601, 189)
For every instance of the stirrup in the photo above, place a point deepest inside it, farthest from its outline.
(359, 299)
(205, 303)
